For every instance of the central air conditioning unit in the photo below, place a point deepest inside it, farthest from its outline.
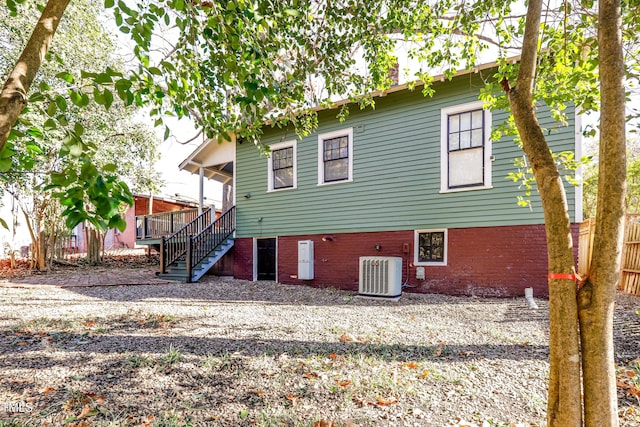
(380, 277)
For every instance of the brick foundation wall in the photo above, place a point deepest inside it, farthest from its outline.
(491, 261)
(243, 259)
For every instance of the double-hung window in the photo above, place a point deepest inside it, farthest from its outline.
(335, 157)
(430, 247)
(282, 166)
(466, 147)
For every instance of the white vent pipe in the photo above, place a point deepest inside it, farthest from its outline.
(528, 295)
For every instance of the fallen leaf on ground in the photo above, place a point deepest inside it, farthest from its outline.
(409, 365)
(345, 338)
(344, 383)
(47, 390)
(386, 402)
(86, 410)
(293, 399)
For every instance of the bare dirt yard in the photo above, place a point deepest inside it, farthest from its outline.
(234, 353)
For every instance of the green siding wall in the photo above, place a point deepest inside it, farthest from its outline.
(396, 174)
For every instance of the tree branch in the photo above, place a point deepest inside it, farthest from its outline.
(13, 97)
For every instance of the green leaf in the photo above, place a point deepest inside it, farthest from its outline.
(74, 218)
(84, 100)
(5, 165)
(58, 179)
(88, 75)
(291, 12)
(178, 4)
(67, 77)
(11, 5)
(98, 97)
(62, 120)
(108, 4)
(4, 225)
(110, 167)
(61, 103)
(75, 97)
(36, 97)
(78, 129)
(51, 109)
(108, 98)
(35, 132)
(103, 78)
(50, 124)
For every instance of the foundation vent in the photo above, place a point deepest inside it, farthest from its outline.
(380, 277)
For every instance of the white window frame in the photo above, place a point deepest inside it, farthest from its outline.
(329, 135)
(444, 146)
(416, 248)
(280, 146)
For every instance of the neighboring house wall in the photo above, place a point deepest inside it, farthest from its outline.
(396, 184)
(159, 205)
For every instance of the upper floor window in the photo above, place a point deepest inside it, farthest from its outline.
(335, 157)
(282, 166)
(466, 147)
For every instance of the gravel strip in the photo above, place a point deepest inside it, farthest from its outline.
(227, 353)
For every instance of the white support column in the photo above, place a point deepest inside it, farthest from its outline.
(201, 193)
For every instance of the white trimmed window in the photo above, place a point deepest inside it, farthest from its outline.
(430, 247)
(335, 157)
(465, 147)
(282, 166)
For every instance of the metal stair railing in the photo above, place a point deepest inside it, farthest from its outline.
(202, 244)
(175, 246)
(155, 226)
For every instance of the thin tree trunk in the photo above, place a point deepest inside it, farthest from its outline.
(13, 97)
(40, 256)
(596, 299)
(94, 245)
(564, 400)
(37, 257)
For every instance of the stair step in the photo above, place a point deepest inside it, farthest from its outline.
(172, 276)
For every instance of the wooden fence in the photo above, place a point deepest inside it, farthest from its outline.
(630, 269)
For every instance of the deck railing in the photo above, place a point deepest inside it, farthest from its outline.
(201, 245)
(175, 246)
(163, 224)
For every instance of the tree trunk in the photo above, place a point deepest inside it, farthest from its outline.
(596, 299)
(37, 255)
(13, 97)
(40, 255)
(564, 400)
(94, 244)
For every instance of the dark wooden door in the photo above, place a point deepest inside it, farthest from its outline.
(266, 259)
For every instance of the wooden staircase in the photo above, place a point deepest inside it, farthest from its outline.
(190, 252)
